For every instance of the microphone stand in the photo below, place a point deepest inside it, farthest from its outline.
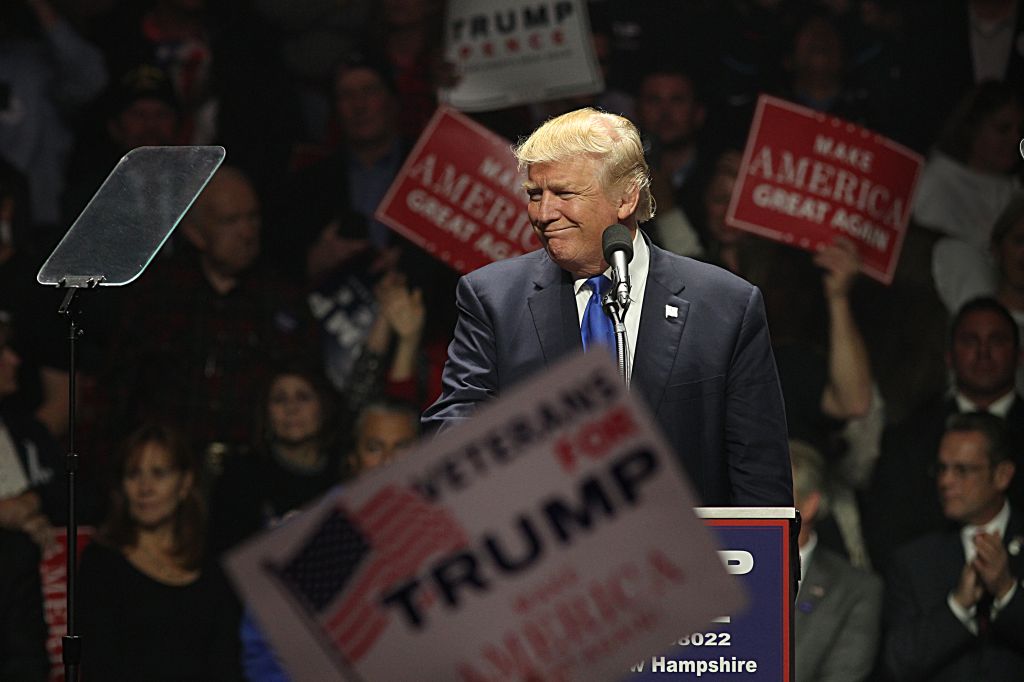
(617, 248)
(618, 314)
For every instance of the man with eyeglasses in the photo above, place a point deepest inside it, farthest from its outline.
(954, 601)
(982, 354)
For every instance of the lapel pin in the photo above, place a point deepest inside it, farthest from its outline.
(818, 591)
(671, 311)
(1014, 547)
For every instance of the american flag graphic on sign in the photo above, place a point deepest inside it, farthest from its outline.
(340, 571)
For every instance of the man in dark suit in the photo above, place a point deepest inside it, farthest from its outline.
(982, 355)
(955, 604)
(698, 350)
(838, 614)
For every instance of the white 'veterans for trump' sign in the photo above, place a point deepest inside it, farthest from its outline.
(509, 52)
(552, 537)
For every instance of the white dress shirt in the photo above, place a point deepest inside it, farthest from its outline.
(638, 268)
(999, 407)
(996, 526)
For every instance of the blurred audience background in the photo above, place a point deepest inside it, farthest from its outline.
(282, 323)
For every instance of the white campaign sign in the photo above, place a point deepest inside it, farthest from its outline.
(509, 52)
(552, 537)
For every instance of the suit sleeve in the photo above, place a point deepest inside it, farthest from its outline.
(1009, 624)
(756, 444)
(919, 635)
(852, 654)
(470, 374)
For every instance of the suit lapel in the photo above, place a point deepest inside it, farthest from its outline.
(815, 584)
(658, 339)
(1014, 541)
(553, 308)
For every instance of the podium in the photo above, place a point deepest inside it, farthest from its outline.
(759, 546)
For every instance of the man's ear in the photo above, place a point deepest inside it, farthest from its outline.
(1004, 474)
(628, 203)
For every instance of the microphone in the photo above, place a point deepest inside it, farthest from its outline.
(617, 245)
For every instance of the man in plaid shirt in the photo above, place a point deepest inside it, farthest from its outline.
(202, 329)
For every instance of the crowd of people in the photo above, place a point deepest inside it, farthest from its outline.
(283, 339)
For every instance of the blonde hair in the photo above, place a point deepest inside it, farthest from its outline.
(611, 139)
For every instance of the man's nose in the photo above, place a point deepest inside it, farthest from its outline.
(945, 477)
(547, 211)
(359, 103)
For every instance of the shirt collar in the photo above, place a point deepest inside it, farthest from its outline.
(997, 526)
(638, 267)
(999, 408)
(807, 552)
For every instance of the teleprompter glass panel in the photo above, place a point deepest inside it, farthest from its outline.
(131, 216)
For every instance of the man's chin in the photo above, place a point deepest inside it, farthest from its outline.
(952, 512)
(565, 260)
(992, 388)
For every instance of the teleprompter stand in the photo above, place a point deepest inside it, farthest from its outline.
(113, 240)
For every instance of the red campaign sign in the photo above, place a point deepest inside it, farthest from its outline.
(807, 177)
(53, 575)
(459, 195)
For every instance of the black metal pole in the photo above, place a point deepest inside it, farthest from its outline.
(72, 643)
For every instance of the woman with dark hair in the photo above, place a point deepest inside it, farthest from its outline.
(296, 460)
(150, 608)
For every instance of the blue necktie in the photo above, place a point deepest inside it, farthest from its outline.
(597, 328)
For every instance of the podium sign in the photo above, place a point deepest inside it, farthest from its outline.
(758, 545)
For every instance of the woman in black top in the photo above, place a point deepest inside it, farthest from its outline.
(296, 461)
(149, 607)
